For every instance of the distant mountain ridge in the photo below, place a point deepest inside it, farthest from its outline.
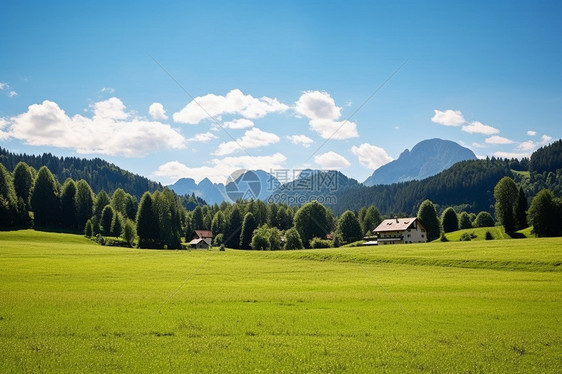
(427, 158)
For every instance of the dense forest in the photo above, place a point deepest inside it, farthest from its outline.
(100, 174)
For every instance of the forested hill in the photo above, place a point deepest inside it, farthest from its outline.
(100, 174)
(467, 184)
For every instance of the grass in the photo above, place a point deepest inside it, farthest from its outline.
(67, 304)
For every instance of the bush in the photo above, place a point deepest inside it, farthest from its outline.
(489, 236)
(484, 219)
(89, 229)
(219, 239)
(222, 249)
(320, 243)
(443, 238)
(465, 237)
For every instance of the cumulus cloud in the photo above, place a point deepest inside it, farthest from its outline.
(545, 139)
(303, 140)
(3, 124)
(323, 114)
(240, 123)
(331, 160)
(203, 137)
(235, 102)
(110, 131)
(527, 145)
(157, 112)
(253, 138)
(479, 128)
(498, 140)
(371, 156)
(448, 118)
(220, 169)
(531, 133)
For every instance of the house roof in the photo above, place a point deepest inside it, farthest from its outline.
(195, 241)
(204, 233)
(397, 224)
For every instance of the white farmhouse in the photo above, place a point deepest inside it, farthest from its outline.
(400, 231)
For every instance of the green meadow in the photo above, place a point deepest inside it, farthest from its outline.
(69, 305)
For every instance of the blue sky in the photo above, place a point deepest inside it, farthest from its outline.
(200, 89)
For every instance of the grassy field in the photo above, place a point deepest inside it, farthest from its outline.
(67, 304)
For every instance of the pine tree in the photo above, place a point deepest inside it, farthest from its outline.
(68, 205)
(23, 183)
(233, 227)
(102, 199)
(106, 220)
(449, 220)
(521, 207)
(428, 217)
(248, 226)
(147, 228)
(8, 201)
(84, 202)
(45, 199)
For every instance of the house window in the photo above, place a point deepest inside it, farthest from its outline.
(422, 235)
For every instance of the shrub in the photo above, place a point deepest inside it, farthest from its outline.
(320, 243)
(489, 236)
(222, 249)
(443, 238)
(465, 237)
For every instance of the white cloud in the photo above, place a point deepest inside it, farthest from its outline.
(510, 155)
(498, 140)
(323, 114)
(3, 123)
(220, 169)
(527, 145)
(157, 112)
(240, 123)
(6, 87)
(104, 133)
(480, 128)
(331, 160)
(317, 105)
(371, 156)
(304, 140)
(203, 137)
(235, 102)
(253, 138)
(545, 139)
(531, 133)
(448, 118)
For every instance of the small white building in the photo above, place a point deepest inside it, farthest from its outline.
(201, 239)
(400, 231)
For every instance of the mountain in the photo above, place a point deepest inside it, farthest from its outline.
(245, 185)
(426, 159)
(100, 174)
(320, 185)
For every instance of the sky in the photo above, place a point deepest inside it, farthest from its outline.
(200, 89)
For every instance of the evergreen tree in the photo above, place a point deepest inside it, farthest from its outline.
(259, 209)
(45, 198)
(349, 226)
(102, 200)
(129, 233)
(106, 220)
(506, 194)
(217, 225)
(131, 206)
(312, 220)
(89, 229)
(119, 201)
(272, 209)
(284, 220)
(464, 221)
(8, 201)
(428, 217)
(484, 219)
(521, 207)
(84, 201)
(68, 205)
(545, 214)
(197, 216)
(232, 228)
(293, 239)
(23, 183)
(117, 224)
(248, 226)
(275, 239)
(188, 226)
(371, 219)
(147, 228)
(450, 220)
